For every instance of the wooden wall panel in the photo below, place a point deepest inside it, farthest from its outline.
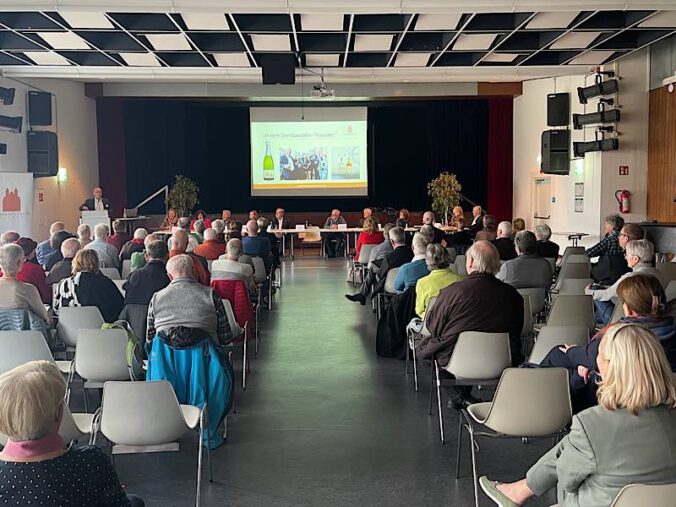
(662, 156)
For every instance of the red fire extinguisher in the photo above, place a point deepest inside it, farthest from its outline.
(622, 197)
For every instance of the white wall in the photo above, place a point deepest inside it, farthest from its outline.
(74, 121)
(598, 171)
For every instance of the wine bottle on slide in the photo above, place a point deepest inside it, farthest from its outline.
(268, 164)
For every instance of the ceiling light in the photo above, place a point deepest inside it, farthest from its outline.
(500, 57)
(140, 59)
(232, 59)
(169, 41)
(474, 42)
(372, 42)
(437, 22)
(205, 21)
(412, 59)
(321, 22)
(575, 40)
(591, 58)
(46, 58)
(545, 20)
(315, 60)
(663, 19)
(271, 42)
(64, 40)
(86, 19)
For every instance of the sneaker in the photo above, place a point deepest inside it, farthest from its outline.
(356, 298)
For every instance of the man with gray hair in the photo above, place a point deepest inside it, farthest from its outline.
(228, 266)
(219, 226)
(108, 254)
(428, 219)
(44, 249)
(9, 237)
(185, 312)
(210, 248)
(179, 245)
(146, 281)
(611, 263)
(480, 302)
(63, 268)
(136, 244)
(544, 247)
(383, 249)
(411, 272)
(375, 280)
(528, 269)
(503, 242)
(120, 236)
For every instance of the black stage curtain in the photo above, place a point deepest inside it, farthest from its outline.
(410, 142)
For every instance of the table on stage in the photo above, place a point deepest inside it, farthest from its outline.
(574, 237)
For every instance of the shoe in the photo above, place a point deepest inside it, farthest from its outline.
(356, 298)
(462, 403)
(491, 489)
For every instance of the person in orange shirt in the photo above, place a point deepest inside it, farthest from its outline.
(211, 249)
(179, 244)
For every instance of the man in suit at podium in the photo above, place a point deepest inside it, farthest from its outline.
(97, 202)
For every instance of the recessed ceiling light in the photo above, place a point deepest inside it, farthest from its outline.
(372, 42)
(64, 40)
(500, 57)
(205, 21)
(412, 59)
(663, 19)
(544, 20)
(321, 22)
(232, 59)
(591, 58)
(271, 42)
(474, 42)
(575, 40)
(169, 41)
(86, 19)
(46, 58)
(314, 60)
(140, 59)
(437, 22)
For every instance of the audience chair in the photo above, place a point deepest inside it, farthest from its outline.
(413, 336)
(478, 359)
(571, 250)
(537, 297)
(126, 268)
(572, 311)
(119, 284)
(111, 273)
(527, 332)
(617, 314)
(452, 252)
(577, 259)
(667, 269)
(553, 336)
(570, 271)
(460, 265)
(209, 263)
(143, 417)
(311, 238)
(388, 291)
(655, 495)
(74, 318)
(237, 293)
(552, 263)
(240, 336)
(260, 277)
(671, 291)
(20, 347)
(362, 262)
(574, 286)
(528, 403)
(74, 427)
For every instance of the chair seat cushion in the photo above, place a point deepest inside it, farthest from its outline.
(479, 411)
(191, 415)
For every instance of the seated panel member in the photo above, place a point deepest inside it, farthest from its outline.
(367, 213)
(477, 219)
(334, 241)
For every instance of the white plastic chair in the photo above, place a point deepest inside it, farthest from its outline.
(361, 262)
(74, 318)
(111, 273)
(237, 331)
(388, 291)
(119, 284)
(654, 495)
(671, 291)
(20, 347)
(571, 271)
(537, 297)
(572, 311)
(141, 417)
(126, 268)
(667, 269)
(412, 336)
(552, 336)
(461, 266)
(574, 286)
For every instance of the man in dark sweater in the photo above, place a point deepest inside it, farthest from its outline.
(146, 281)
(257, 246)
(504, 242)
(480, 302)
(64, 268)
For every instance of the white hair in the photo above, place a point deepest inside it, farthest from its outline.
(140, 233)
(543, 232)
(641, 248)
(9, 237)
(10, 259)
(210, 233)
(218, 225)
(101, 231)
(420, 242)
(505, 228)
(69, 248)
(83, 231)
(485, 256)
(234, 248)
(150, 238)
(181, 266)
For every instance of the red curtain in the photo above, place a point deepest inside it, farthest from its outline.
(500, 160)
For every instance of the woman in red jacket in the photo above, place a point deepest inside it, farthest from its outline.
(370, 235)
(32, 272)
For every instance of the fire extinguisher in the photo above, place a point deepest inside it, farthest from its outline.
(622, 197)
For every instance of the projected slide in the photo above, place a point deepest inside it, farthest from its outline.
(323, 154)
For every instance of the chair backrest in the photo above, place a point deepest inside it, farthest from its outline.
(236, 292)
(571, 271)
(74, 318)
(552, 263)
(425, 330)
(460, 265)
(389, 280)
(365, 253)
(572, 250)
(20, 347)
(209, 263)
(259, 270)
(655, 495)
(577, 259)
(111, 273)
(531, 402)
(574, 286)
(478, 355)
(452, 252)
(68, 430)
(537, 298)
(312, 234)
(667, 269)
(618, 313)
(141, 413)
(101, 355)
(234, 325)
(126, 268)
(572, 311)
(527, 329)
(119, 284)
(671, 290)
(552, 336)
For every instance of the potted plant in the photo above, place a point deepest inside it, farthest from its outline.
(445, 193)
(183, 195)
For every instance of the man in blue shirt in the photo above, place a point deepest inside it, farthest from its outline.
(44, 250)
(257, 246)
(410, 272)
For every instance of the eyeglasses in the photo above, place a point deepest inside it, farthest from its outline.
(623, 234)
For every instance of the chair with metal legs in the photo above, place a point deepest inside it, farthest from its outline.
(413, 336)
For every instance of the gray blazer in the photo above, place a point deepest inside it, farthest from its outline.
(527, 270)
(605, 451)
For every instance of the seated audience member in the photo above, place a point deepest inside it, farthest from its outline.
(441, 275)
(518, 225)
(138, 259)
(629, 437)
(229, 263)
(369, 236)
(64, 268)
(366, 214)
(15, 294)
(179, 245)
(211, 248)
(480, 302)
(84, 235)
(120, 236)
(193, 239)
(611, 264)
(171, 220)
(257, 246)
(44, 249)
(544, 247)
(411, 272)
(234, 229)
(9, 237)
(36, 466)
(185, 312)
(334, 241)
(107, 253)
(458, 214)
(428, 232)
(375, 280)
(136, 244)
(146, 281)
(198, 228)
(642, 298)
(528, 269)
(200, 215)
(226, 215)
(88, 287)
(405, 215)
(504, 242)
(639, 254)
(488, 232)
(263, 225)
(54, 255)
(253, 215)
(381, 250)
(477, 219)
(219, 226)
(31, 272)
(428, 219)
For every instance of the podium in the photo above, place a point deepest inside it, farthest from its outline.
(93, 218)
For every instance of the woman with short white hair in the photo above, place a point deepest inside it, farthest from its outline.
(15, 294)
(36, 466)
(629, 437)
(544, 246)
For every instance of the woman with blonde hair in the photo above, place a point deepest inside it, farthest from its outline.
(171, 220)
(629, 437)
(36, 466)
(369, 236)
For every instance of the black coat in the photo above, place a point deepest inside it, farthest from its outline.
(391, 331)
(395, 259)
(89, 204)
(505, 248)
(143, 283)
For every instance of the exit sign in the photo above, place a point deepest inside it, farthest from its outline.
(624, 170)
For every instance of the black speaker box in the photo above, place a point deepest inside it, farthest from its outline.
(39, 108)
(555, 150)
(558, 109)
(43, 153)
(278, 69)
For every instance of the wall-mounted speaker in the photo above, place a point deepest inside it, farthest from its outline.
(558, 109)
(43, 153)
(555, 150)
(39, 108)
(278, 68)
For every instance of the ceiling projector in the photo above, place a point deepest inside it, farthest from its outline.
(320, 91)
